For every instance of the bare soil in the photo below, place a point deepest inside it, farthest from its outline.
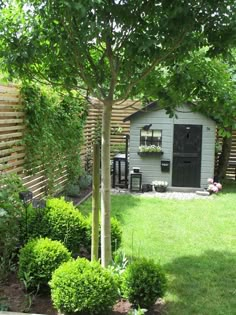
(13, 295)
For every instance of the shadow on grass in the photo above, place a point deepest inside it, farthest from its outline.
(203, 285)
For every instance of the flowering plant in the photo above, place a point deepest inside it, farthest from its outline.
(159, 183)
(150, 148)
(213, 187)
(160, 186)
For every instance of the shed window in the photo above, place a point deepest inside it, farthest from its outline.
(151, 137)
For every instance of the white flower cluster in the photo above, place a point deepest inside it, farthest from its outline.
(150, 148)
(159, 183)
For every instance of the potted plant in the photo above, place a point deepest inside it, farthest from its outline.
(160, 186)
(213, 187)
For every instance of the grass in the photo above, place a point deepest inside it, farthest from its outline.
(194, 240)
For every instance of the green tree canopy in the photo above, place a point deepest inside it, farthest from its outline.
(107, 46)
(209, 84)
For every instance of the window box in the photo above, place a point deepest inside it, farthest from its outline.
(150, 153)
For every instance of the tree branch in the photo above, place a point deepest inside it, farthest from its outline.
(150, 68)
(113, 68)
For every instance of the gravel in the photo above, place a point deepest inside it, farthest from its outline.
(165, 195)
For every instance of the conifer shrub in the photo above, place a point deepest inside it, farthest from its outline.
(144, 281)
(83, 286)
(38, 259)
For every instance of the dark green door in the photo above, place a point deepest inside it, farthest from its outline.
(187, 148)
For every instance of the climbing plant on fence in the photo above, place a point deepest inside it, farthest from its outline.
(54, 131)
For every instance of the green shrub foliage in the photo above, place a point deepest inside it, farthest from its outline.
(54, 132)
(67, 224)
(144, 282)
(37, 223)
(72, 190)
(116, 233)
(83, 286)
(85, 181)
(39, 258)
(11, 213)
(61, 221)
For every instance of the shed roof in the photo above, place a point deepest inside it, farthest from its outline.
(154, 106)
(150, 107)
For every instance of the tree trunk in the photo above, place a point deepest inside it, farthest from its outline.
(106, 186)
(95, 201)
(224, 157)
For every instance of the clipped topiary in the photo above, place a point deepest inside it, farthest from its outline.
(67, 224)
(144, 282)
(36, 223)
(39, 258)
(59, 220)
(83, 286)
(116, 233)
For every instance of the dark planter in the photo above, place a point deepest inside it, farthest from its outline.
(150, 153)
(146, 187)
(160, 188)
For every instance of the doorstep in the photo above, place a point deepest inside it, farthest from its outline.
(184, 189)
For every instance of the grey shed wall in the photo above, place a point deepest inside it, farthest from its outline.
(150, 166)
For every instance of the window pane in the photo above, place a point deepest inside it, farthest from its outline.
(157, 133)
(149, 137)
(146, 133)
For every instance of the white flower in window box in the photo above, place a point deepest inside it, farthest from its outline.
(150, 148)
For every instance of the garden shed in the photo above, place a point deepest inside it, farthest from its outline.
(179, 150)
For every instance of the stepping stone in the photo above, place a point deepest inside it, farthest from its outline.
(202, 193)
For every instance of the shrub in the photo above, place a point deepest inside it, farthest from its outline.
(72, 190)
(83, 286)
(37, 224)
(39, 258)
(116, 233)
(144, 282)
(67, 224)
(85, 181)
(61, 221)
(11, 212)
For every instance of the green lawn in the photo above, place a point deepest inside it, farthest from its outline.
(195, 241)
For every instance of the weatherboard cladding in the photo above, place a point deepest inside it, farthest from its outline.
(150, 165)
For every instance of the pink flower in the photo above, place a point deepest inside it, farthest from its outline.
(215, 189)
(219, 186)
(210, 180)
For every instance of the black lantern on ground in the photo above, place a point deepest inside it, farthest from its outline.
(135, 182)
(26, 198)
